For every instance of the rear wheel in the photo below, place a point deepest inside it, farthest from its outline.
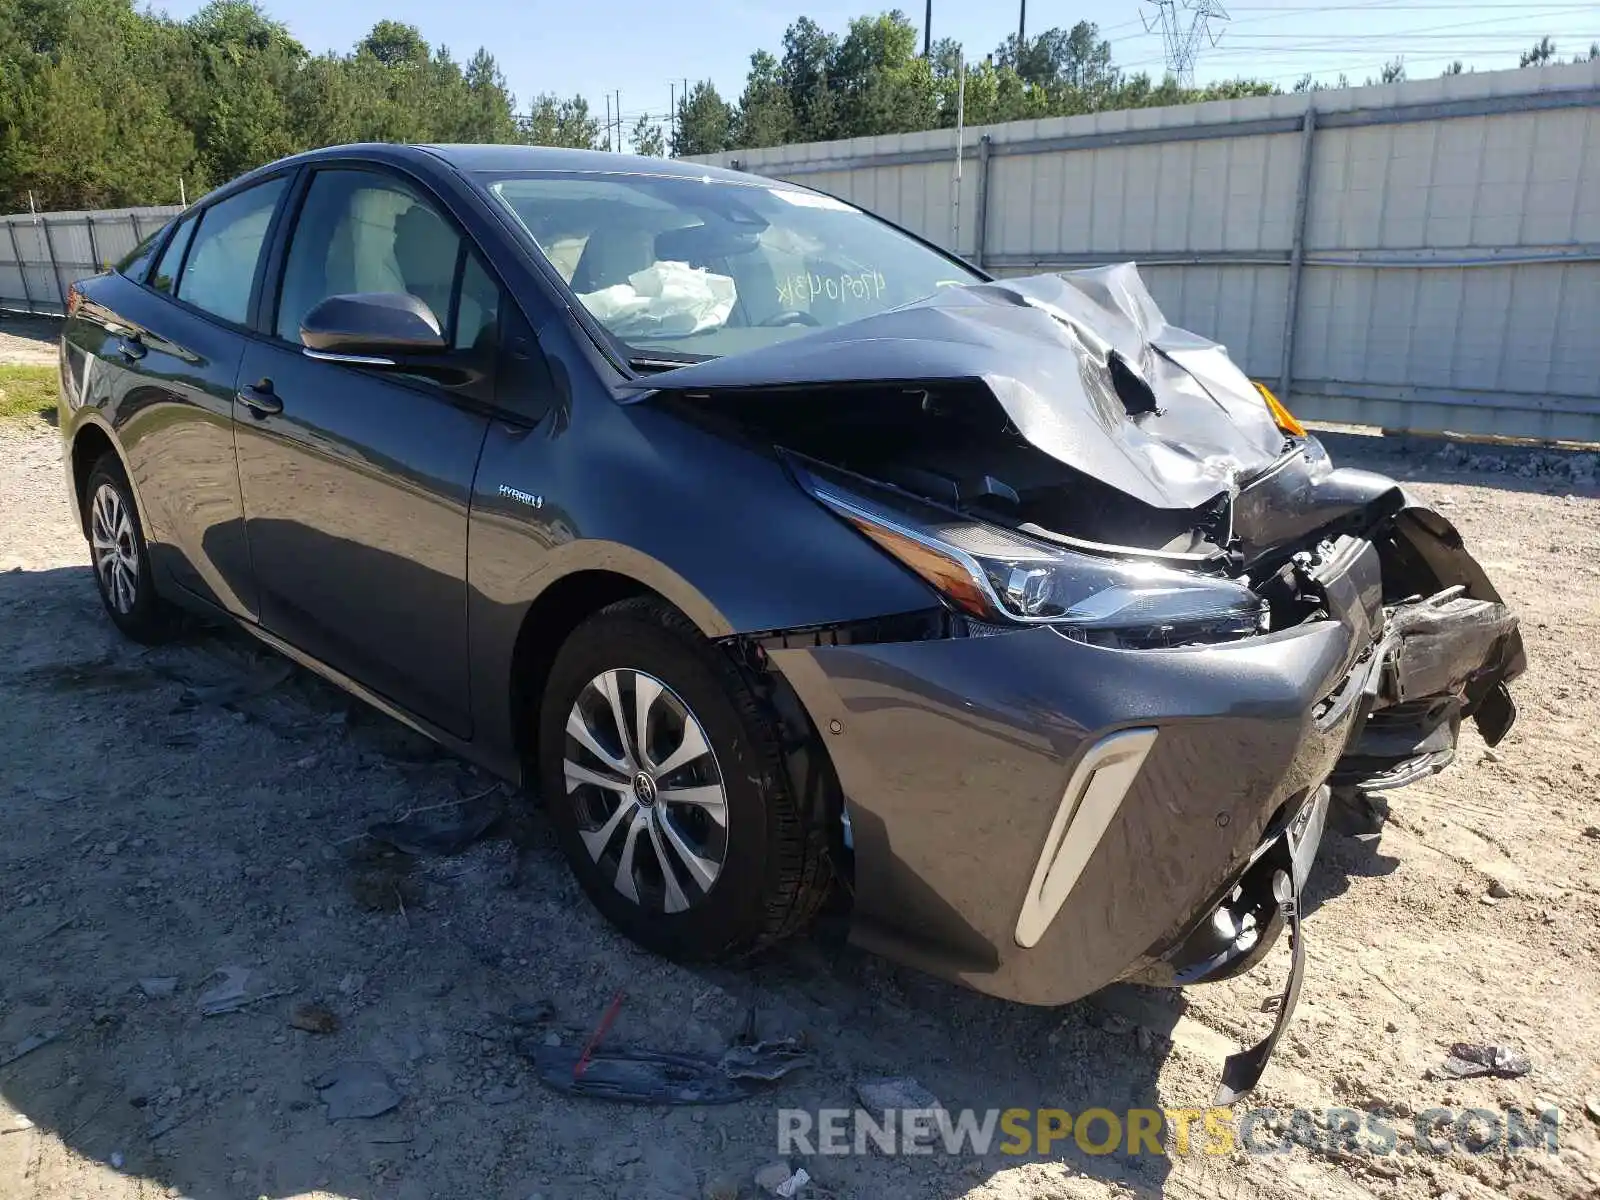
(663, 776)
(120, 557)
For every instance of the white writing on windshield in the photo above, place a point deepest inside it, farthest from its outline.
(800, 289)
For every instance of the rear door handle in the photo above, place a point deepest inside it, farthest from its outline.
(130, 347)
(260, 399)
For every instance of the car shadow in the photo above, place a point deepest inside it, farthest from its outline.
(208, 836)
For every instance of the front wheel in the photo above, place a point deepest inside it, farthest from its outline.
(120, 557)
(663, 776)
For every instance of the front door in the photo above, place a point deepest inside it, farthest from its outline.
(357, 479)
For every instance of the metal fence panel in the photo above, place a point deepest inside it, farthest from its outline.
(1423, 255)
(41, 255)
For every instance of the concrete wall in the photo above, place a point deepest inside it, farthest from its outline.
(1438, 241)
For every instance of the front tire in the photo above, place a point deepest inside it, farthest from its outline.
(120, 558)
(664, 779)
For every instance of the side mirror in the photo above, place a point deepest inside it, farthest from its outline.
(371, 328)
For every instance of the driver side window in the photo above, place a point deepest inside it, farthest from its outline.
(360, 231)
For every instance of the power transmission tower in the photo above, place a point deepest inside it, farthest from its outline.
(1184, 26)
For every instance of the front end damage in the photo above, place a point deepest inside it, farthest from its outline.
(1168, 626)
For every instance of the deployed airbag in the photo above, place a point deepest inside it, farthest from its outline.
(666, 298)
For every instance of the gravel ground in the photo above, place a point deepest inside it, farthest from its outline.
(28, 339)
(151, 834)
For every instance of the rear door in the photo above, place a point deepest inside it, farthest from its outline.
(357, 479)
(169, 361)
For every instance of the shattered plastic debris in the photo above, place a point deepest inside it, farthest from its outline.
(158, 987)
(227, 994)
(777, 1179)
(765, 1061)
(1468, 1060)
(356, 1091)
(651, 1077)
(445, 831)
(232, 992)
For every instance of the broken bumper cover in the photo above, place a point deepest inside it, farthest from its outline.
(961, 763)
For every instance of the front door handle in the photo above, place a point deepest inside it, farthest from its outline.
(260, 399)
(130, 347)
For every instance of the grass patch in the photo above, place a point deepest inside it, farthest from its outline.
(25, 388)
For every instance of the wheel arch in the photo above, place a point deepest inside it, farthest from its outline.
(546, 624)
(90, 444)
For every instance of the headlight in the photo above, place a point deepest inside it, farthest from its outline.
(1000, 576)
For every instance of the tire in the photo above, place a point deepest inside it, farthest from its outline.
(771, 873)
(120, 558)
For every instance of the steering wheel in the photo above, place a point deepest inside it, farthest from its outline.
(789, 317)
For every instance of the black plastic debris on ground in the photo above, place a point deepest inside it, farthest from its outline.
(441, 830)
(1468, 1060)
(639, 1076)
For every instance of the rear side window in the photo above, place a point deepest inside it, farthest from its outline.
(171, 263)
(221, 267)
(136, 262)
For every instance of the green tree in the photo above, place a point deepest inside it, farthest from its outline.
(648, 137)
(880, 83)
(395, 44)
(1077, 59)
(705, 122)
(1394, 71)
(555, 122)
(490, 109)
(765, 116)
(1543, 51)
(807, 52)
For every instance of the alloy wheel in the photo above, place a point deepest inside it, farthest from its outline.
(649, 796)
(115, 548)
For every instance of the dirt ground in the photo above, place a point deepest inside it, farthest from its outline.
(27, 339)
(155, 831)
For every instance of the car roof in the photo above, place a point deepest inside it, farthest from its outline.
(474, 157)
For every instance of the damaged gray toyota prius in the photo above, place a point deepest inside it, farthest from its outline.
(785, 555)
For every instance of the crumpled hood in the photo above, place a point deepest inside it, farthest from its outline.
(1042, 347)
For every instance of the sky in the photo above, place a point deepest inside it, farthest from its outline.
(646, 47)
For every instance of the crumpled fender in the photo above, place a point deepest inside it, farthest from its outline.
(1471, 640)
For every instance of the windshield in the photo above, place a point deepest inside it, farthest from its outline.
(699, 268)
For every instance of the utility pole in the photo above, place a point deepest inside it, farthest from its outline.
(1022, 29)
(608, 120)
(672, 116)
(620, 146)
(927, 31)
